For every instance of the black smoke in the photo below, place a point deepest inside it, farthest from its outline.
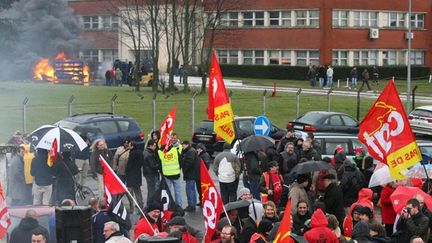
(32, 29)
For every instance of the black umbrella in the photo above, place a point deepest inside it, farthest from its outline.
(242, 206)
(255, 143)
(310, 166)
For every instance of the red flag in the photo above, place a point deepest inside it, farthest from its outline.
(53, 153)
(283, 234)
(219, 107)
(386, 132)
(5, 220)
(211, 202)
(167, 127)
(114, 191)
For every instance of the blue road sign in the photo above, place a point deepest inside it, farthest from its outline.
(262, 126)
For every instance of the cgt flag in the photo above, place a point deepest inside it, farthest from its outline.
(167, 127)
(52, 153)
(211, 202)
(386, 132)
(283, 234)
(5, 220)
(219, 107)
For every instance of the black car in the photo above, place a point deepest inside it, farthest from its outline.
(113, 128)
(323, 121)
(243, 126)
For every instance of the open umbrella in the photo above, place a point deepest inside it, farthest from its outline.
(310, 166)
(419, 171)
(402, 194)
(67, 139)
(381, 177)
(242, 206)
(255, 143)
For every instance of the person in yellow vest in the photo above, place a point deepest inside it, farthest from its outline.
(28, 178)
(170, 160)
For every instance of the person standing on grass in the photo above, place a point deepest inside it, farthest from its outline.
(354, 75)
(365, 76)
(330, 73)
(375, 74)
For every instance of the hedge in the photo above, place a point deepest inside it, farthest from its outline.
(300, 72)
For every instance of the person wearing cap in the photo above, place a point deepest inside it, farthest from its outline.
(190, 166)
(245, 194)
(151, 223)
(271, 184)
(177, 227)
(289, 137)
(298, 192)
(333, 198)
(227, 167)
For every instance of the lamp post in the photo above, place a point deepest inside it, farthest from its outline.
(408, 99)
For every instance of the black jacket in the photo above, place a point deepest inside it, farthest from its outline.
(42, 173)
(190, 164)
(152, 164)
(206, 158)
(416, 225)
(249, 228)
(253, 166)
(361, 233)
(95, 164)
(333, 201)
(133, 168)
(23, 232)
(64, 170)
(299, 223)
(351, 182)
(310, 154)
(287, 162)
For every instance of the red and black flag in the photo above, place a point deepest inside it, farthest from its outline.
(163, 197)
(114, 192)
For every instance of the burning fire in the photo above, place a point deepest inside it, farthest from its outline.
(64, 69)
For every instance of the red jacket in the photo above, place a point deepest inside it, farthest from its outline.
(142, 227)
(388, 214)
(188, 238)
(320, 232)
(364, 200)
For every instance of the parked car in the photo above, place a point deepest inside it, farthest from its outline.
(243, 126)
(420, 120)
(330, 141)
(113, 128)
(323, 121)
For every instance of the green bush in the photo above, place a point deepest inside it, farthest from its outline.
(300, 72)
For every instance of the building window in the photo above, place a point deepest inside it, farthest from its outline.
(365, 19)
(110, 22)
(91, 22)
(365, 58)
(279, 57)
(340, 18)
(303, 58)
(280, 18)
(393, 20)
(389, 58)
(251, 57)
(228, 56)
(109, 55)
(253, 18)
(340, 58)
(229, 19)
(417, 20)
(307, 18)
(417, 58)
(286, 58)
(90, 55)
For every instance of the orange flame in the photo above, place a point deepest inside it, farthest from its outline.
(45, 71)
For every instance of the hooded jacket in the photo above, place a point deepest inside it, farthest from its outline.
(361, 233)
(364, 200)
(351, 182)
(319, 231)
(23, 232)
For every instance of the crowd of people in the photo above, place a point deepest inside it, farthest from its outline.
(330, 205)
(324, 76)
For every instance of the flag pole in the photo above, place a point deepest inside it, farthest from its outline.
(226, 214)
(101, 159)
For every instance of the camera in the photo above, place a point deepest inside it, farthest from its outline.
(407, 210)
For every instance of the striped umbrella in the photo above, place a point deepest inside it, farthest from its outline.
(67, 139)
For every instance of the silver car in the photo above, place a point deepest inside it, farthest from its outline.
(420, 120)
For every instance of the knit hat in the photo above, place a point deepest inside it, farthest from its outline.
(243, 191)
(153, 206)
(177, 220)
(272, 163)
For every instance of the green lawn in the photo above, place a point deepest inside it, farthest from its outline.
(424, 87)
(48, 104)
